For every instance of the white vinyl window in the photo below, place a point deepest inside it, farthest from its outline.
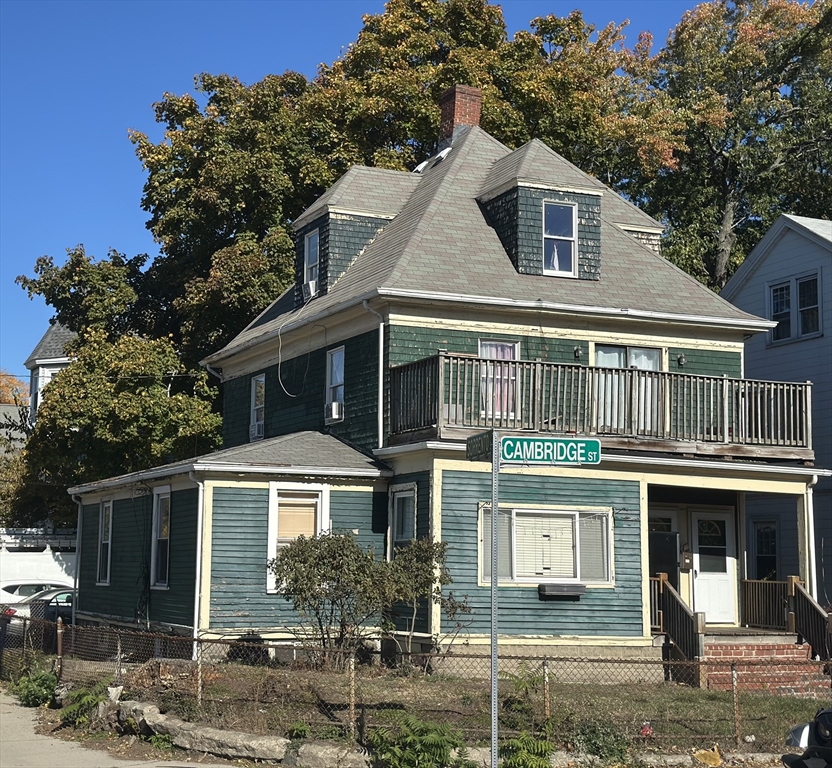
(294, 510)
(105, 537)
(160, 551)
(795, 305)
(537, 546)
(311, 250)
(560, 239)
(402, 515)
(257, 423)
(335, 376)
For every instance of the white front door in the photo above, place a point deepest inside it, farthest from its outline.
(714, 567)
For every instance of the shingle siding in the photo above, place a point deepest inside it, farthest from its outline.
(601, 611)
(347, 237)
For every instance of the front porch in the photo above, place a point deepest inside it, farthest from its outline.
(448, 396)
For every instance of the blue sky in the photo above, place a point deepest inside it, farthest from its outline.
(76, 76)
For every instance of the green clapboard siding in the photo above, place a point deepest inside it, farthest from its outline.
(705, 362)
(239, 599)
(410, 343)
(128, 595)
(616, 611)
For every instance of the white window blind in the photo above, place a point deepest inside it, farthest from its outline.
(296, 516)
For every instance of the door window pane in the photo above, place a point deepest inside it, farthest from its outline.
(713, 546)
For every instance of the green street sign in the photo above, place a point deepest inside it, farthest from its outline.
(549, 450)
(478, 447)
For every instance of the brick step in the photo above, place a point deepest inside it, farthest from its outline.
(728, 652)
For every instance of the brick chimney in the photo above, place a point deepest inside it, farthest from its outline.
(460, 106)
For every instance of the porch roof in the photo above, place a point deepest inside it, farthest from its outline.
(299, 453)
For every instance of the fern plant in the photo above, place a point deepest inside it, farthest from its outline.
(81, 702)
(413, 743)
(526, 751)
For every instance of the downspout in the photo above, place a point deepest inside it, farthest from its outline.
(812, 576)
(78, 530)
(213, 371)
(199, 526)
(366, 305)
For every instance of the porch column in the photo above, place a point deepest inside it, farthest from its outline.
(806, 539)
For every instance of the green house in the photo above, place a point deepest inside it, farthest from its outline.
(489, 289)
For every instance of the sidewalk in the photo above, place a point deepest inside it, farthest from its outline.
(21, 747)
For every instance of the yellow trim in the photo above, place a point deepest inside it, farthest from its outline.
(205, 584)
(559, 331)
(237, 484)
(645, 557)
(436, 533)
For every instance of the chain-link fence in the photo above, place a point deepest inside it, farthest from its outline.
(289, 688)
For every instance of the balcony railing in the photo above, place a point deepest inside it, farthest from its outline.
(765, 604)
(449, 392)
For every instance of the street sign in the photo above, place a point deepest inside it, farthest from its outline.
(549, 450)
(478, 447)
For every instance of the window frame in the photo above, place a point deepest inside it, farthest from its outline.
(310, 267)
(253, 421)
(756, 523)
(575, 513)
(105, 506)
(322, 522)
(159, 493)
(395, 492)
(329, 368)
(793, 284)
(574, 239)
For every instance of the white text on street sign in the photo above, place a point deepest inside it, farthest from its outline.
(549, 450)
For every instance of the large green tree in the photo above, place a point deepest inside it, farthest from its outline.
(752, 81)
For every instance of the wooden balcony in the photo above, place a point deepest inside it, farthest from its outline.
(449, 396)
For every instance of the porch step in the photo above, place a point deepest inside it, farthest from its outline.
(765, 663)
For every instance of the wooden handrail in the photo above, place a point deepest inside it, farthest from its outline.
(811, 622)
(684, 628)
(450, 390)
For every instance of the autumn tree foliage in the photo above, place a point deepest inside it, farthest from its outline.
(12, 389)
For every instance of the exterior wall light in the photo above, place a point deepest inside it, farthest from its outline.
(579, 353)
(681, 360)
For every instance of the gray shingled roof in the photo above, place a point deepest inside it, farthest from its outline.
(820, 227)
(371, 191)
(51, 346)
(299, 453)
(440, 244)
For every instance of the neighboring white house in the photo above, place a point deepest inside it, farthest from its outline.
(47, 358)
(788, 277)
(34, 554)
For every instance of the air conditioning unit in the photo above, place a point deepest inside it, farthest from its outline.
(310, 289)
(255, 431)
(333, 412)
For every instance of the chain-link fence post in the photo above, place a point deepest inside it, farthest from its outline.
(546, 705)
(119, 655)
(25, 636)
(352, 695)
(736, 695)
(59, 662)
(199, 648)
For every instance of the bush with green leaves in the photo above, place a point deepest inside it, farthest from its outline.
(35, 688)
(602, 740)
(409, 742)
(80, 704)
(526, 751)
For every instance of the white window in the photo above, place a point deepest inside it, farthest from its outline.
(258, 407)
(105, 536)
(627, 402)
(160, 550)
(335, 376)
(560, 241)
(294, 510)
(310, 257)
(402, 516)
(795, 305)
(536, 546)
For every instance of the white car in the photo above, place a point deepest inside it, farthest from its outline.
(15, 591)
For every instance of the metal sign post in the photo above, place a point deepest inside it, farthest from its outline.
(495, 506)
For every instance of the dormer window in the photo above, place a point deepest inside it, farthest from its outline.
(559, 242)
(310, 258)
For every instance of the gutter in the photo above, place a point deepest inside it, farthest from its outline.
(78, 531)
(366, 305)
(198, 580)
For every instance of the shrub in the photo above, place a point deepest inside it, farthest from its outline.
(81, 702)
(35, 689)
(603, 740)
(526, 751)
(413, 743)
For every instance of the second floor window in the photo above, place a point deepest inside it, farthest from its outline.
(795, 305)
(258, 407)
(160, 555)
(105, 537)
(335, 376)
(310, 257)
(560, 252)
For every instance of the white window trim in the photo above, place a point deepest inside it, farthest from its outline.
(329, 385)
(253, 422)
(307, 266)
(105, 504)
(393, 492)
(323, 518)
(576, 511)
(794, 309)
(544, 237)
(160, 492)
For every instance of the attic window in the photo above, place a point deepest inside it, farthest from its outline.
(310, 257)
(560, 228)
